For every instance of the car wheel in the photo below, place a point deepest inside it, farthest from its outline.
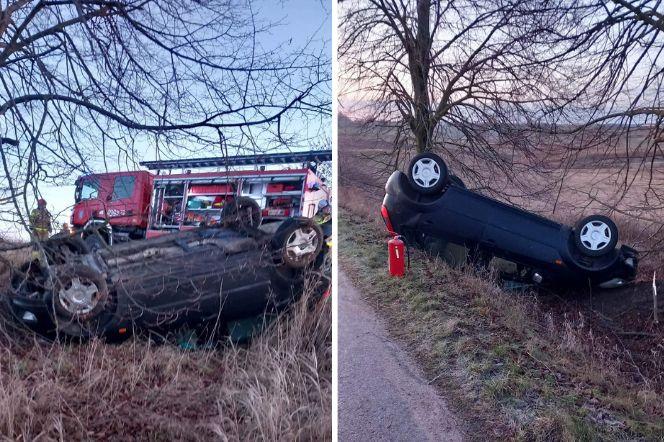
(427, 173)
(596, 235)
(28, 281)
(243, 211)
(299, 241)
(80, 295)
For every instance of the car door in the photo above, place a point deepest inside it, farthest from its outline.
(122, 201)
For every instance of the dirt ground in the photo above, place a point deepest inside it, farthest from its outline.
(383, 395)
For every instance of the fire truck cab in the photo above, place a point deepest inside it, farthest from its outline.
(122, 206)
(114, 204)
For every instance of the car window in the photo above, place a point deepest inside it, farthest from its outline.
(123, 187)
(88, 190)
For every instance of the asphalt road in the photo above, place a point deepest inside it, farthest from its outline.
(383, 395)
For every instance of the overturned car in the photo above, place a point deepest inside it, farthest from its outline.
(428, 204)
(203, 277)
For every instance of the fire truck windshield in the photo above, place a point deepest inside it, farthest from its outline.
(86, 190)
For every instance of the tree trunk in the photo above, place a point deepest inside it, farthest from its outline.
(419, 56)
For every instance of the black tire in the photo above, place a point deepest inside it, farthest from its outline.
(595, 235)
(438, 171)
(458, 182)
(27, 279)
(243, 211)
(285, 237)
(59, 251)
(84, 324)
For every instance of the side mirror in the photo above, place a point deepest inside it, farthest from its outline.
(314, 187)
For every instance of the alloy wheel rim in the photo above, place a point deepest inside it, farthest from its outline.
(595, 235)
(301, 242)
(426, 172)
(80, 296)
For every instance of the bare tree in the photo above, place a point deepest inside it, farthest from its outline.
(462, 77)
(89, 82)
(603, 108)
(611, 54)
(512, 86)
(518, 89)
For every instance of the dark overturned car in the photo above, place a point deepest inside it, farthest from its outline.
(198, 278)
(428, 205)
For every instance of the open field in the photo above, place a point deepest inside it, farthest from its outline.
(278, 387)
(564, 366)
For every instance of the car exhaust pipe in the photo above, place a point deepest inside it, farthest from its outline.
(613, 283)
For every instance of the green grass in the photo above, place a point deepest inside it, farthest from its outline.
(510, 372)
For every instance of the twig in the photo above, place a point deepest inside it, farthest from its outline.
(435, 379)
(637, 333)
(654, 298)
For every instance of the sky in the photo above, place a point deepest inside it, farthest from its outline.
(299, 20)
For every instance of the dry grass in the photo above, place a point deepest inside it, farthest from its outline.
(9, 258)
(278, 387)
(515, 369)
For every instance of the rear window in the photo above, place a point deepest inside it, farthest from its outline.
(123, 187)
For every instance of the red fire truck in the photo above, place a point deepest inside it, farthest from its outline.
(122, 206)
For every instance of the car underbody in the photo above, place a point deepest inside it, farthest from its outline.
(543, 250)
(203, 277)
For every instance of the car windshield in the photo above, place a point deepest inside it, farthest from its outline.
(86, 190)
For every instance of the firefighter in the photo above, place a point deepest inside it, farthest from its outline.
(324, 217)
(40, 221)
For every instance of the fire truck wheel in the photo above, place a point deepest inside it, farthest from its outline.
(243, 211)
(299, 240)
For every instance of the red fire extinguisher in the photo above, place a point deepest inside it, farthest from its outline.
(397, 261)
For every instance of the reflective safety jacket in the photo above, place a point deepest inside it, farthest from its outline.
(40, 220)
